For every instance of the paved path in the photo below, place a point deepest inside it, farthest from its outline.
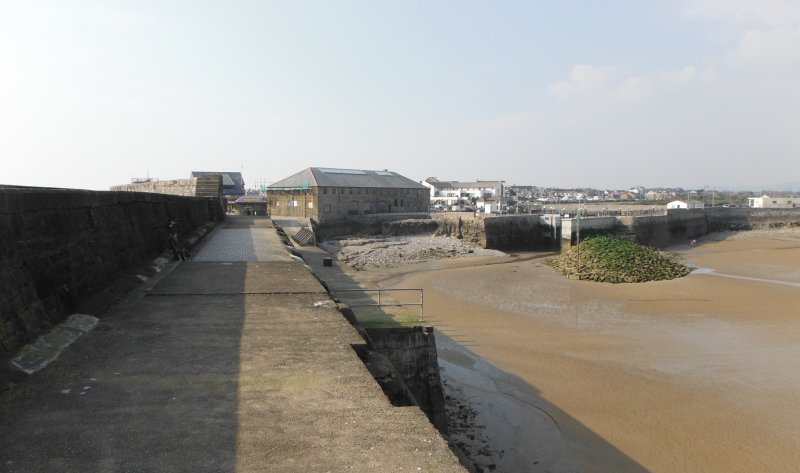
(242, 241)
(236, 361)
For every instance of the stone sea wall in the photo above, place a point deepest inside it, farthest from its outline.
(387, 224)
(412, 351)
(59, 246)
(683, 225)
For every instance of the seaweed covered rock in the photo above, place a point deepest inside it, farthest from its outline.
(608, 259)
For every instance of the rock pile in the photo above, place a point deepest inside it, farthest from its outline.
(607, 259)
(361, 253)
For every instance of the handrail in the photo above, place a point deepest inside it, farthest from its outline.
(380, 304)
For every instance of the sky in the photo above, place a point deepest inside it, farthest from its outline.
(609, 94)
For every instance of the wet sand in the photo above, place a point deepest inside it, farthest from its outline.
(694, 374)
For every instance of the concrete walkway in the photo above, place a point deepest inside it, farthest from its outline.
(236, 361)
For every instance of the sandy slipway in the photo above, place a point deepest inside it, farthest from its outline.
(389, 252)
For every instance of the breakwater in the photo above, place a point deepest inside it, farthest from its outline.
(60, 246)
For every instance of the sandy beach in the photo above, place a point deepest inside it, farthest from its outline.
(694, 374)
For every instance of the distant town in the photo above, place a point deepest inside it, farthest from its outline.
(331, 193)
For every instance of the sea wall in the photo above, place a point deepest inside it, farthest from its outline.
(59, 246)
(513, 232)
(662, 230)
(569, 226)
(683, 225)
(412, 351)
(519, 232)
(380, 225)
(462, 225)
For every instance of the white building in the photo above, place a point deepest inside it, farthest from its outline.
(767, 202)
(455, 192)
(490, 205)
(679, 204)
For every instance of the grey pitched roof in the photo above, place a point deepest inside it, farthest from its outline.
(232, 182)
(250, 199)
(329, 177)
(442, 184)
(463, 185)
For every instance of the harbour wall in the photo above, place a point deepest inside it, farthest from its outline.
(545, 232)
(412, 351)
(60, 246)
(519, 232)
(683, 225)
(387, 224)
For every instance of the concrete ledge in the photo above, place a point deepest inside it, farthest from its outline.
(49, 346)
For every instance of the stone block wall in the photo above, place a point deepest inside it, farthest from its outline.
(59, 246)
(519, 232)
(683, 225)
(385, 224)
(412, 351)
(463, 225)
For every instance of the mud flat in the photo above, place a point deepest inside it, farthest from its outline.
(698, 373)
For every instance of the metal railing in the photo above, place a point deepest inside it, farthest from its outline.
(381, 304)
(645, 212)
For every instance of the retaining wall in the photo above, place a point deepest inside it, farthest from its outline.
(384, 225)
(59, 246)
(682, 225)
(569, 225)
(412, 351)
(514, 232)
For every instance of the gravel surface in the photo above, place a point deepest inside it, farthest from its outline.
(389, 252)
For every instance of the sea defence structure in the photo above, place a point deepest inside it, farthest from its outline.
(548, 232)
(237, 360)
(58, 247)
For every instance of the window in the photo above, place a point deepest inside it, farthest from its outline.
(383, 207)
(395, 202)
(401, 203)
(351, 190)
(352, 208)
(327, 207)
(324, 190)
(368, 207)
(366, 191)
(311, 205)
(293, 203)
(359, 191)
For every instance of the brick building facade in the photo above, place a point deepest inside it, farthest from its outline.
(327, 194)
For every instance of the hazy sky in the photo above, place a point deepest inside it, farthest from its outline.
(560, 93)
